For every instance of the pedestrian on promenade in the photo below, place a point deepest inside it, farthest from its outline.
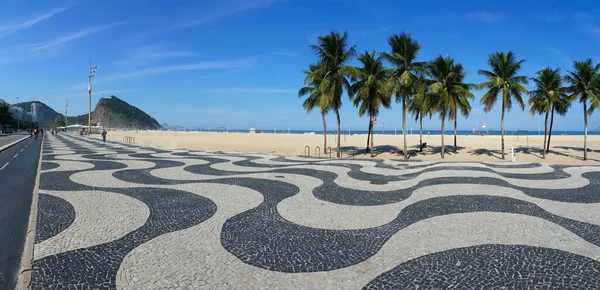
(104, 136)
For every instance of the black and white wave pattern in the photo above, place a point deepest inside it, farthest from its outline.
(133, 217)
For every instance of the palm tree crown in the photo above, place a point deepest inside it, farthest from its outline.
(449, 94)
(367, 91)
(584, 83)
(333, 53)
(503, 80)
(404, 52)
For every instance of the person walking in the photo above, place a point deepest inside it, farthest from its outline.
(104, 136)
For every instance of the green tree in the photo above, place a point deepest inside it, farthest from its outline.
(548, 89)
(315, 98)
(59, 123)
(403, 55)
(334, 54)
(504, 81)
(367, 91)
(418, 105)
(5, 116)
(584, 85)
(449, 93)
(560, 105)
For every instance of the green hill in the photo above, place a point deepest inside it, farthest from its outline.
(113, 112)
(110, 112)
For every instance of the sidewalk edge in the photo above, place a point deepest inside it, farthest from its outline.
(13, 143)
(24, 278)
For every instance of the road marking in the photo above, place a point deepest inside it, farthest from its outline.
(22, 150)
(2, 168)
(15, 155)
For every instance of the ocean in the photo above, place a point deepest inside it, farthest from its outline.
(399, 132)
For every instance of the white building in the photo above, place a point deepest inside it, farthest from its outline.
(35, 108)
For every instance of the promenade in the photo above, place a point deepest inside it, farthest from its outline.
(132, 217)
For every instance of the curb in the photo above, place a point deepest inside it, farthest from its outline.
(13, 143)
(24, 278)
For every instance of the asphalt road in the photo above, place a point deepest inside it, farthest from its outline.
(18, 170)
(7, 139)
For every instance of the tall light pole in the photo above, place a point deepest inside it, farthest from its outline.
(66, 114)
(93, 70)
(18, 119)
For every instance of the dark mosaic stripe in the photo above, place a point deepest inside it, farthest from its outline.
(96, 266)
(54, 216)
(262, 238)
(331, 192)
(493, 267)
(49, 165)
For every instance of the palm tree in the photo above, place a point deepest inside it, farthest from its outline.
(333, 53)
(5, 112)
(418, 105)
(503, 79)
(547, 90)
(404, 52)
(314, 98)
(367, 91)
(560, 105)
(449, 93)
(584, 85)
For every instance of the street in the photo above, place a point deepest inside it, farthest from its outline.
(18, 170)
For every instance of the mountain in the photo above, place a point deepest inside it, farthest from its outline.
(45, 115)
(113, 112)
(110, 112)
(174, 127)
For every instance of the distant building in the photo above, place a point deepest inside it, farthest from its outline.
(18, 113)
(35, 108)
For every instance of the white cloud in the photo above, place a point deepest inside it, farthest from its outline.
(149, 55)
(8, 29)
(253, 91)
(158, 70)
(227, 9)
(74, 36)
(288, 52)
(485, 16)
(71, 94)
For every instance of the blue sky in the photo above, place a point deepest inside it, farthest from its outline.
(238, 63)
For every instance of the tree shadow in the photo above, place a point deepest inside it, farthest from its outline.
(438, 149)
(571, 155)
(482, 151)
(580, 149)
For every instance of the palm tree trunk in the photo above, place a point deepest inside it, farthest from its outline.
(324, 133)
(502, 127)
(372, 142)
(545, 133)
(584, 131)
(455, 121)
(404, 126)
(369, 134)
(339, 139)
(550, 132)
(420, 133)
(442, 151)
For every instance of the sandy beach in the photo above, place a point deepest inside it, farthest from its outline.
(564, 149)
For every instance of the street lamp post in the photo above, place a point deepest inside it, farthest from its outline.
(18, 119)
(66, 114)
(93, 70)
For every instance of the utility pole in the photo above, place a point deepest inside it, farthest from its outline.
(93, 70)
(66, 114)
(18, 119)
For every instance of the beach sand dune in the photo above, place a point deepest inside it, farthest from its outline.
(564, 149)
